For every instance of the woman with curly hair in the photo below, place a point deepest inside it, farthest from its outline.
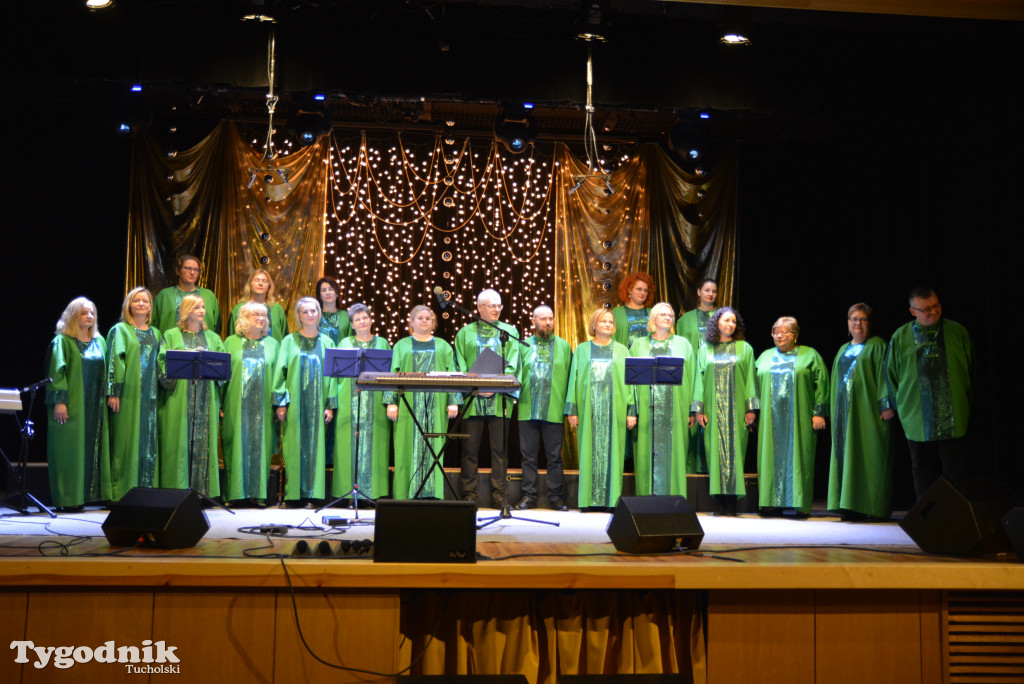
(725, 401)
(260, 290)
(76, 437)
(636, 292)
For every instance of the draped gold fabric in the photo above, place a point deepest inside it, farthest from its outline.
(649, 223)
(542, 634)
(200, 202)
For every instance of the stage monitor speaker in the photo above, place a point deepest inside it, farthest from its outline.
(424, 532)
(164, 518)
(649, 524)
(961, 520)
(1013, 525)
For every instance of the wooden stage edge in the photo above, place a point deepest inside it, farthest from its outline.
(223, 563)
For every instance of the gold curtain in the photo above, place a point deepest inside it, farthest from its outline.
(201, 201)
(649, 223)
(542, 634)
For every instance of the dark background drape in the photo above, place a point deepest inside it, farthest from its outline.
(907, 172)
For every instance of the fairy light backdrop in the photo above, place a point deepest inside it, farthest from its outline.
(408, 213)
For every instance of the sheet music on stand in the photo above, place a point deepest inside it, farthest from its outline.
(198, 364)
(654, 370)
(349, 363)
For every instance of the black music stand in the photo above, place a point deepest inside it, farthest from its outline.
(349, 363)
(653, 371)
(503, 337)
(195, 365)
(17, 474)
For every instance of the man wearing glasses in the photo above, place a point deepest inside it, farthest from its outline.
(486, 408)
(929, 367)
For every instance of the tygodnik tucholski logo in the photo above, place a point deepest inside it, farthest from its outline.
(153, 657)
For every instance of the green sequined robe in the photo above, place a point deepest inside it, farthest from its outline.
(300, 385)
(178, 428)
(412, 458)
(248, 428)
(77, 452)
(793, 387)
(469, 344)
(724, 390)
(692, 325)
(860, 476)
(630, 324)
(374, 433)
(598, 395)
(672, 413)
(132, 376)
(335, 325)
(929, 373)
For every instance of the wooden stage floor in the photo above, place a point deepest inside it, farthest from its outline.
(783, 614)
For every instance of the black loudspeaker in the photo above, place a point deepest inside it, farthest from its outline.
(1013, 525)
(424, 532)
(164, 518)
(960, 520)
(648, 524)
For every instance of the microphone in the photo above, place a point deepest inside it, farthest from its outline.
(439, 293)
(36, 386)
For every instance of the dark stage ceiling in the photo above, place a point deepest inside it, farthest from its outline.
(386, 64)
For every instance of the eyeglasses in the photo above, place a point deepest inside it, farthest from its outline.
(491, 306)
(934, 308)
(190, 269)
(781, 333)
(858, 320)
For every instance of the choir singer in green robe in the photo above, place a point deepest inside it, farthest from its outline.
(602, 409)
(421, 352)
(362, 431)
(793, 383)
(636, 291)
(77, 442)
(670, 428)
(248, 427)
(166, 307)
(260, 290)
(693, 326)
(132, 388)
(189, 415)
(305, 402)
(725, 402)
(860, 476)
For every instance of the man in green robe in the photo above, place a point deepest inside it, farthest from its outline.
(692, 325)
(544, 376)
(488, 409)
(929, 370)
(168, 300)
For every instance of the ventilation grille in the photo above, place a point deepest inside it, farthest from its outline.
(984, 637)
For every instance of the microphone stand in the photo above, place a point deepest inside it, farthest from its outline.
(503, 336)
(27, 430)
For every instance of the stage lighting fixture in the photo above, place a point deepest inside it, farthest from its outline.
(319, 97)
(733, 38)
(593, 27)
(99, 4)
(515, 128)
(124, 129)
(309, 124)
(735, 28)
(137, 88)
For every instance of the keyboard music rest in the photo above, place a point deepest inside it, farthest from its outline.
(415, 382)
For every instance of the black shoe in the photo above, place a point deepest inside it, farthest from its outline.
(526, 503)
(557, 504)
(769, 512)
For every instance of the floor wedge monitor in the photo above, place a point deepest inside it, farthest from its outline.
(162, 518)
(649, 524)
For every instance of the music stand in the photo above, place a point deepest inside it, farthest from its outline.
(196, 365)
(12, 404)
(652, 371)
(349, 363)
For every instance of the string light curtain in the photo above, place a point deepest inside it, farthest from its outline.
(652, 221)
(206, 201)
(408, 213)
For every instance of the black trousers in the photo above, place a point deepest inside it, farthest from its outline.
(929, 460)
(531, 432)
(496, 427)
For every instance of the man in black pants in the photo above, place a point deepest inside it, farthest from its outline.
(544, 378)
